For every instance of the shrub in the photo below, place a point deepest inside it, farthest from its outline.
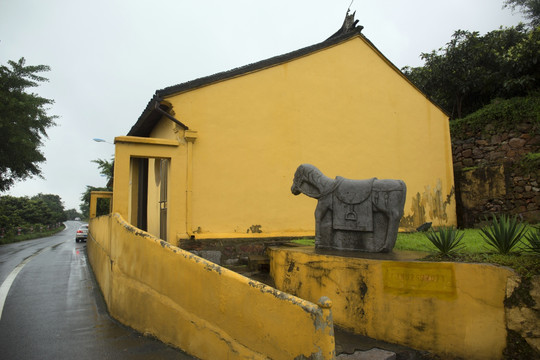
(446, 239)
(502, 113)
(530, 163)
(533, 241)
(504, 233)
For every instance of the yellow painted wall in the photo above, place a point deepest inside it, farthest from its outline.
(94, 196)
(125, 186)
(453, 309)
(343, 109)
(200, 307)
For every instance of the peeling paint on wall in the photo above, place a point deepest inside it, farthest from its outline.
(431, 204)
(420, 304)
(254, 229)
(150, 296)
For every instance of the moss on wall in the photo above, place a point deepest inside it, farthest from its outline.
(496, 154)
(499, 116)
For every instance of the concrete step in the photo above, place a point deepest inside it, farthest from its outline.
(258, 262)
(373, 354)
(353, 346)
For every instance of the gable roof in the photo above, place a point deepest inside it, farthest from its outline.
(156, 107)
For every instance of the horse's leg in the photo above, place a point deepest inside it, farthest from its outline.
(392, 207)
(391, 232)
(397, 201)
(322, 227)
(319, 213)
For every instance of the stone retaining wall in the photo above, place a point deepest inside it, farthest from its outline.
(489, 178)
(523, 309)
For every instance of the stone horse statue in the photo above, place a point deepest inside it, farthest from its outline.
(359, 215)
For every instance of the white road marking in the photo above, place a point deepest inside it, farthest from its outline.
(6, 285)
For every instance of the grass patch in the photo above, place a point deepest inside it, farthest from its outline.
(530, 163)
(525, 265)
(35, 235)
(502, 114)
(474, 250)
(304, 242)
(472, 242)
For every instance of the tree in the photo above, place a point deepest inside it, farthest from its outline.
(10, 211)
(102, 206)
(472, 70)
(23, 122)
(36, 211)
(55, 205)
(72, 214)
(26, 212)
(106, 168)
(530, 8)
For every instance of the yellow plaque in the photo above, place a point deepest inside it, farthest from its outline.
(419, 279)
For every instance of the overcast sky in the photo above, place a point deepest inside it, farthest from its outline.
(108, 57)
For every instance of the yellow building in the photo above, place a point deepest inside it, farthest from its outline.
(215, 157)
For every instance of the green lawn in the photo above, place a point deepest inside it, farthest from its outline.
(474, 250)
(418, 242)
(472, 241)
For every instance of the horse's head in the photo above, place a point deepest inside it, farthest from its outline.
(307, 181)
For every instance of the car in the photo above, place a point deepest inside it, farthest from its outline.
(82, 233)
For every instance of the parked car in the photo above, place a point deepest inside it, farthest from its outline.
(82, 233)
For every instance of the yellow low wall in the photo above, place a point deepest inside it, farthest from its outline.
(198, 306)
(452, 309)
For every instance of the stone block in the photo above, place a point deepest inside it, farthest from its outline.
(481, 142)
(526, 322)
(528, 196)
(496, 155)
(516, 143)
(231, 262)
(210, 255)
(496, 139)
(534, 141)
(524, 127)
(532, 216)
(477, 152)
(373, 354)
(535, 291)
(512, 284)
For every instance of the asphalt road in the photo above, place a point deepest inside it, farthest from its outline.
(54, 309)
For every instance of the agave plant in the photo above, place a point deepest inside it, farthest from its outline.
(446, 239)
(533, 241)
(504, 233)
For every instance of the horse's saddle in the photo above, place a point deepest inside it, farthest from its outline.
(352, 206)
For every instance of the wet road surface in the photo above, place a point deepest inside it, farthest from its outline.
(54, 310)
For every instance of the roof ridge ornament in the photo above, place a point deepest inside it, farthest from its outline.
(349, 24)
